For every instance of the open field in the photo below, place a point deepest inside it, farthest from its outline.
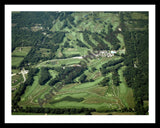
(18, 55)
(58, 62)
(126, 93)
(16, 61)
(17, 79)
(21, 51)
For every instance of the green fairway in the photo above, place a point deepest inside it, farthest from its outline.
(93, 95)
(89, 95)
(126, 93)
(34, 92)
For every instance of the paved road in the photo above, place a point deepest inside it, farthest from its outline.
(23, 72)
(23, 75)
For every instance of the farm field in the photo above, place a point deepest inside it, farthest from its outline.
(21, 51)
(18, 55)
(79, 63)
(16, 61)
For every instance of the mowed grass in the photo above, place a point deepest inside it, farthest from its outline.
(93, 22)
(126, 93)
(16, 61)
(17, 79)
(33, 92)
(121, 39)
(102, 98)
(15, 71)
(94, 95)
(137, 15)
(91, 98)
(88, 95)
(58, 62)
(73, 51)
(18, 55)
(21, 51)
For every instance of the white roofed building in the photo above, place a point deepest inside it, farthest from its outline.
(113, 52)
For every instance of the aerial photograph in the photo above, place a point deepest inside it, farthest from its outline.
(79, 63)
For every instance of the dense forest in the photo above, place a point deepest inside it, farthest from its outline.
(111, 37)
(136, 73)
(66, 75)
(136, 60)
(33, 29)
(44, 76)
(29, 19)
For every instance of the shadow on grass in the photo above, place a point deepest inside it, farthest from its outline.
(68, 98)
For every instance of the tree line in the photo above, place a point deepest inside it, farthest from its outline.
(66, 75)
(29, 19)
(81, 44)
(105, 81)
(43, 42)
(112, 38)
(111, 66)
(86, 111)
(101, 44)
(112, 63)
(44, 76)
(136, 43)
(86, 38)
(137, 76)
(68, 111)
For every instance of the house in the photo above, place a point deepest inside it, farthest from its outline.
(110, 54)
(103, 53)
(119, 29)
(25, 71)
(113, 52)
(135, 66)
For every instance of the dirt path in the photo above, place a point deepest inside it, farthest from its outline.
(23, 72)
